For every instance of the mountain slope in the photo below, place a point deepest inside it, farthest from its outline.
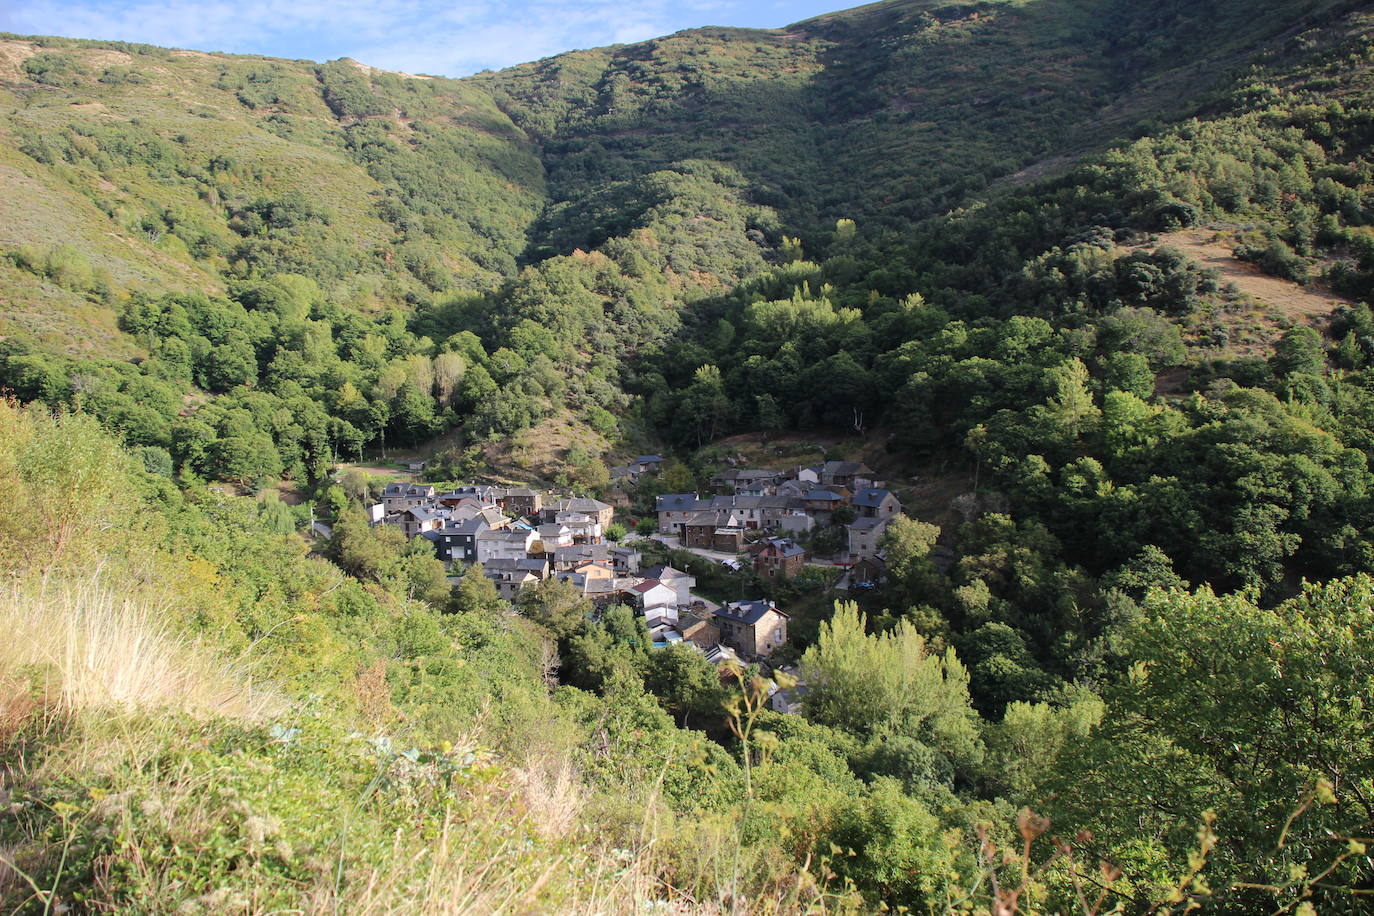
(387, 185)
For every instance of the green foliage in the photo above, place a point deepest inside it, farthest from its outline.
(1240, 746)
(308, 261)
(54, 68)
(890, 684)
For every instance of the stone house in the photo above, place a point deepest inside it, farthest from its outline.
(867, 573)
(522, 502)
(778, 558)
(604, 513)
(674, 509)
(625, 560)
(729, 539)
(512, 576)
(553, 537)
(752, 628)
(699, 531)
(873, 502)
(571, 557)
(583, 528)
(416, 520)
(864, 536)
(852, 475)
(701, 632)
(398, 497)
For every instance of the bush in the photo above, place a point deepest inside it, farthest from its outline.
(53, 68)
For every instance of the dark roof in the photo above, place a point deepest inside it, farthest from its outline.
(580, 551)
(864, 524)
(584, 504)
(747, 612)
(827, 495)
(786, 547)
(738, 501)
(407, 489)
(665, 573)
(677, 501)
(845, 468)
(649, 459)
(871, 498)
(707, 520)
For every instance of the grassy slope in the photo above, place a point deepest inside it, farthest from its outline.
(892, 112)
(224, 131)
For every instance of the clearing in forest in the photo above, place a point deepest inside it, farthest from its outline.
(1249, 327)
(1298, 303)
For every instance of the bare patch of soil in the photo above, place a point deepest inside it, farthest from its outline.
(1301, 304)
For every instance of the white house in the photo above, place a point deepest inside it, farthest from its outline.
(656, 601)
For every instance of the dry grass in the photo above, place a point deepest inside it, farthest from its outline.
(84, 647)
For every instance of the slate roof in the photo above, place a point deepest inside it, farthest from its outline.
(664, 573)
(677, 502)
(407, 489)
(593, 552)
(844, 468)
(867, 524)
(826, 495)
(583, 504)
(871, 498)
(747, 612)
(785, 547)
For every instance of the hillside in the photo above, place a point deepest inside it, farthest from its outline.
(1087, 283)
(164, 167)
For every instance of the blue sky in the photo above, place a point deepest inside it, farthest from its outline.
(451, 38)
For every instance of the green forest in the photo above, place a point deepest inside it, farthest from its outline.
(1120, 663)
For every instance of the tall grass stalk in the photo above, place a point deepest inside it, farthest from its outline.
(83, 646)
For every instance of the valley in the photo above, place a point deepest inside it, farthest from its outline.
(747, 471)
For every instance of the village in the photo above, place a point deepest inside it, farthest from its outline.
(521, 537)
